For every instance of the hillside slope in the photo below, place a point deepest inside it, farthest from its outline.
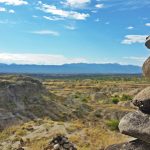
(23, 98)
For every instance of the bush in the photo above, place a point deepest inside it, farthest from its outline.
(113, 124)
(126, 97)
(115, 100)
(85, 100)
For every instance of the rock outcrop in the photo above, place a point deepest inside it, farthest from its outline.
(146, 65)
(147, 43)
(24, 98)
(146, 68)
(142, 100)
(133, 145)
(136, 124)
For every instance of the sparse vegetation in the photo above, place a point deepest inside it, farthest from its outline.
(125, 97)
(76, 107)
(115, 100)
(113, 124)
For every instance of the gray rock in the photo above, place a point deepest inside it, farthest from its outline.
(146, 68)
(136, 124)
(23, 98)
(147, 43)
(127, 104)
(142, 100)
(133, 145)
(99, 96)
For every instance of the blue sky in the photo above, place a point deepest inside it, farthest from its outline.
(74, 31)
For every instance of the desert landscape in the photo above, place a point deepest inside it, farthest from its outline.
(74, 75)
(86, 110)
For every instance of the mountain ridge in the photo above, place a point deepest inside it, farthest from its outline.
(76, 68)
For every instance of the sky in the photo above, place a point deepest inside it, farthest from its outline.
(56, 32)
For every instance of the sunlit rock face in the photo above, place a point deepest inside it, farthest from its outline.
(142, 100)
(146, 65)
(146, 68)
(137, 125)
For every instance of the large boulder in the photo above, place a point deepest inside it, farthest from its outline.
(136, 124)
(146, 68)
(142, 100)
(133, 145)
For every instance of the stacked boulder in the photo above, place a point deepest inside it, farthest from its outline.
(136, 124)
(60, 142)
(146, 65)
(146, 68)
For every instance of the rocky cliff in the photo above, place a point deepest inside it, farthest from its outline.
(23, 98)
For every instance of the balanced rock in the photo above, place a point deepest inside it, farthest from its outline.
(137, 125)
(142, 100)
(146, 68)
(147, 43)
(60, 142)
(133, 145)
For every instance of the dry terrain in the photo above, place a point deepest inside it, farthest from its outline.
(86, 110)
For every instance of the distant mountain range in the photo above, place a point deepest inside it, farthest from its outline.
(80, 68)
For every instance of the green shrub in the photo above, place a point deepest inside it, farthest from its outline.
(126, 97)
(85, 100)
(113, 124)
(115, 100)
(76, 96)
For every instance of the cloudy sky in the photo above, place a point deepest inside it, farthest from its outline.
(74, 31)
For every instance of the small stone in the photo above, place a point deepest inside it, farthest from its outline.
(56, 147)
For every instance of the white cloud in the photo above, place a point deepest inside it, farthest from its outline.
(42, 59)
(99, 6)
(34, 16)
(2, 9)
(11, 11)
(46, 32)
(135, 60)
(140, 59)
(130, 27)
(53, 18)
(76, 3)
(131, 39)
(94, 11)
(70, 27)
(147, 24)
(97, 20)
(14, 2)
(6, 21)
(62, 13)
